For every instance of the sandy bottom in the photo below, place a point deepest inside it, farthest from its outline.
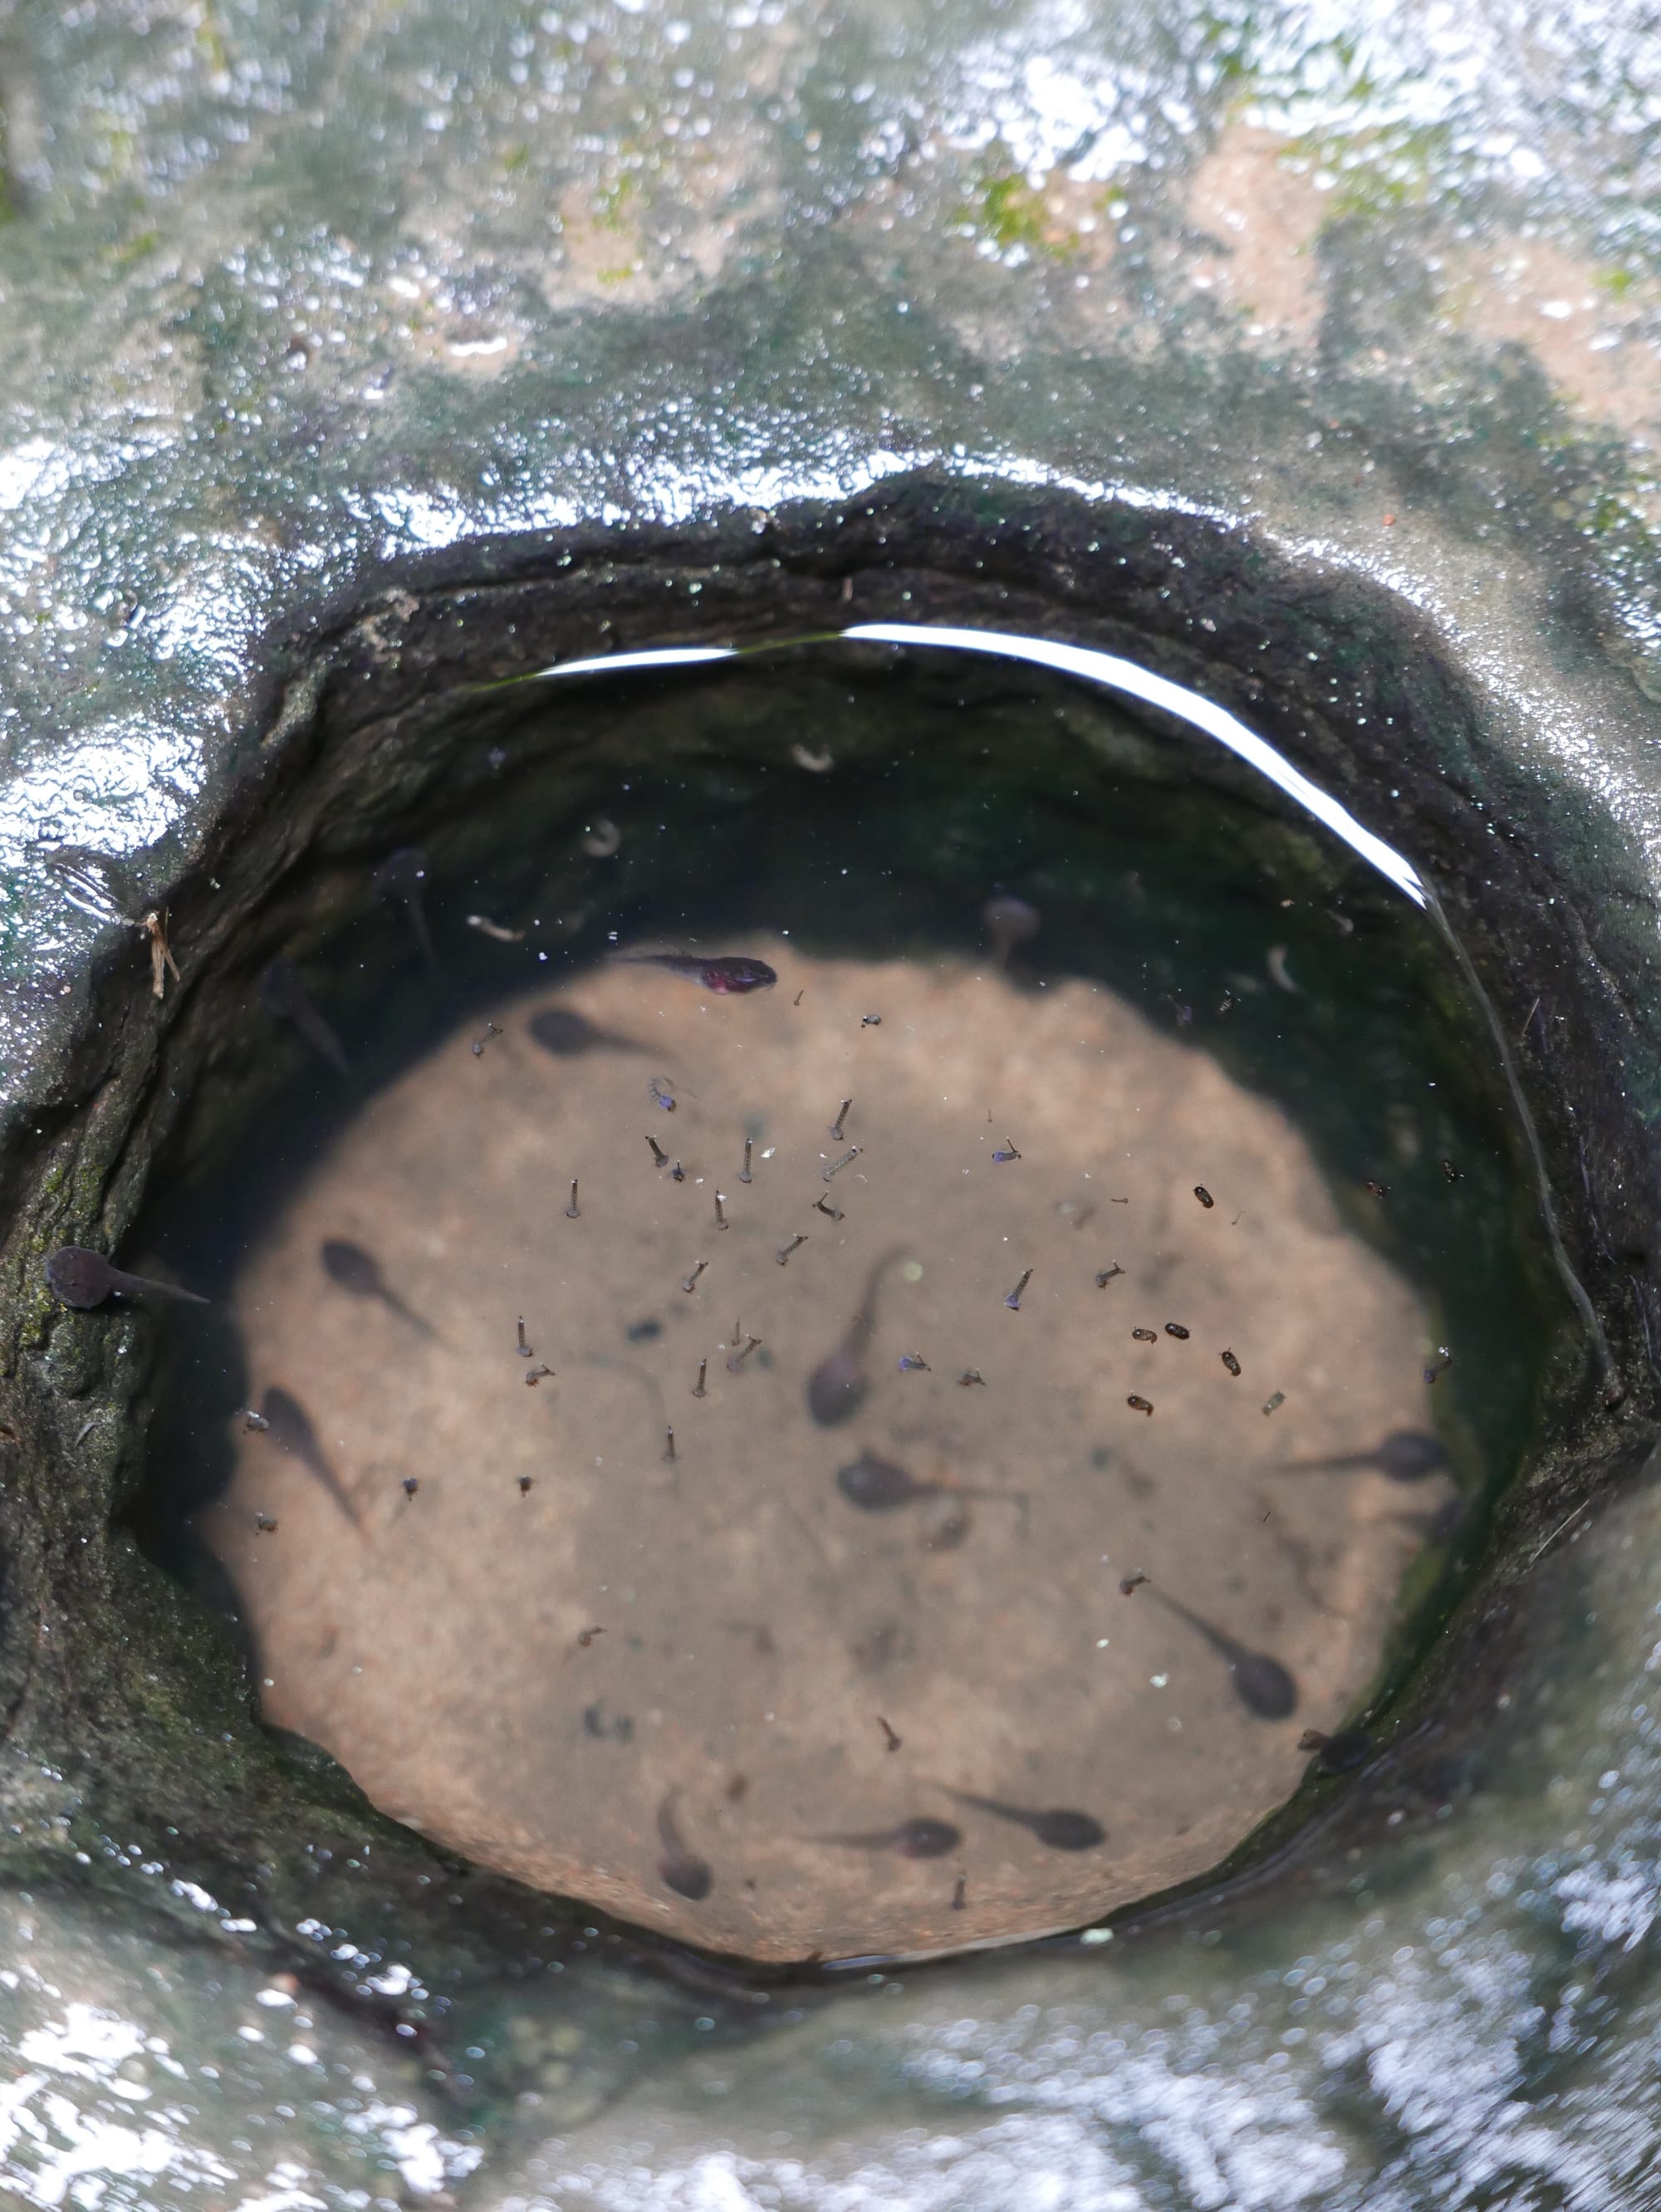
(759, 1627)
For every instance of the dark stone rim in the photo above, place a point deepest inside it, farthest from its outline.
(125, 1715)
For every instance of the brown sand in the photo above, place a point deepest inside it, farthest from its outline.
(758, 1628)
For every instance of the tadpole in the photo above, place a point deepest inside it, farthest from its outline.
(1262, 1685)
(356, 1272)
(83, 1278)
(730, 976)
(401, 880)
(568, 1034)
(282, 994)
(875, 1485)
(1404, 1455)
(1057, 1827)
(839, 1385)
(1009, 921)
(920, 1839)
(1337, 1754)
(679, 1868)
(289, 1427)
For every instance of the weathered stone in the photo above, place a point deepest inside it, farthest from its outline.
(348, 354)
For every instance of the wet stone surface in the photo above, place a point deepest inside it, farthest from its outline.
(315, 308)
(864, 1591)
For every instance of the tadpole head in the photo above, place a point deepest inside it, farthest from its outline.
(875, 1485)
(926, 1839)
(350, 1267)
(687, 1876)
(1264, 1686)
(836, 1390)
(78, 1277)
(279, 987)
(1410, 1455)
(402, 873)
(1069, 1831)
(565, 1034)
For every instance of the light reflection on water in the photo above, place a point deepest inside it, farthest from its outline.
(1110, 669)
(139, 2073)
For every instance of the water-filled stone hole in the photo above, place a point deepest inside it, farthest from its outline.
(858, 1296)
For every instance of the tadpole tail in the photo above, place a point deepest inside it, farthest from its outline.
(1018, 1498)
(121, 1281)
(667, 1834)
(417, 915)
(863, 1324)
(995, 1805)
(336, 1490)
(321, 1038)
(394, 1303)
(1221, 1642)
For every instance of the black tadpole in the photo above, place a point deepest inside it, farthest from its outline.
(1262, 1685)
(1338, 1754)
(1404, 1455)
(921, 1838)
(568, 1034)
(732, 976)
(282, 994)
(1058, 1828)
(839, 1385)
(352, 1269)
(289, 1427)
(84, 1279)
(679, 1868)
(875, 1485)
(401, 880)
(1009, 921)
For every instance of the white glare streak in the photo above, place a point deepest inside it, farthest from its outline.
(1108, 669)
(666, 656)
(1121, 675)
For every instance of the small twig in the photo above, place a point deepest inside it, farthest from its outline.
(162, 963)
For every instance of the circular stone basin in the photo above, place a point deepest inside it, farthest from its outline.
(808, 1686)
